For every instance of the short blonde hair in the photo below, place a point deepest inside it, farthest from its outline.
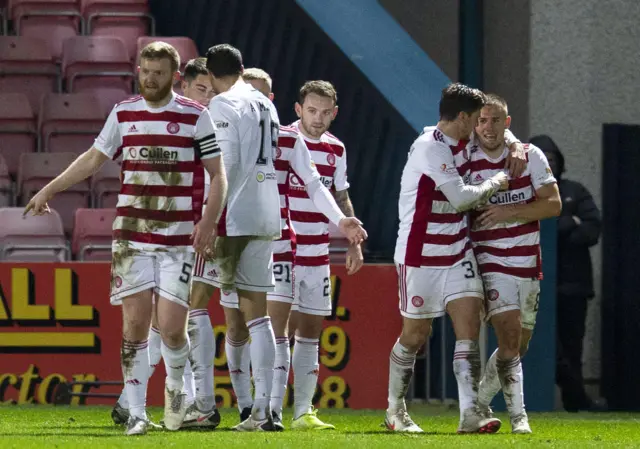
(497, 101)
(255, 73)
(161, 50)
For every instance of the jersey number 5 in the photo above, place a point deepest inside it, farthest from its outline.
(268, 139)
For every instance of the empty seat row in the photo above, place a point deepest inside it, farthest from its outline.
(37, 169)
(61, 19)
(99, 64)
(42, 238)
(67, 123)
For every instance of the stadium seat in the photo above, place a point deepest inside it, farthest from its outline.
(6, 189)
(127, 19)
(97, 64)
(27, 67)
(69, 122)
(37, 169)
(92, 234)
(31, 238)
(58, 20)
(108, 104)
(18, 132)
(105, 185)
(185, 46)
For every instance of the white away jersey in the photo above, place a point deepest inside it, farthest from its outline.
(310, 225)
(510, 248)
(160, 149)
(293, 158)
(432, 232)
(247, 131)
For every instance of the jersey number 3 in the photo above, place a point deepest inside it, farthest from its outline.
(268, 139)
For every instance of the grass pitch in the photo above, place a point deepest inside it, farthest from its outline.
(91, 428)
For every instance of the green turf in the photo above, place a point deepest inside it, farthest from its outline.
(91, 428)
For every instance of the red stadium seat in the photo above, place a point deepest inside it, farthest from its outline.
(26, 66)
(30, 238)
(97, 64)
(69, 122)
(18, 132)
(58, 20)
(185, 46)
(127, 19)
(6, 189)
(92, 234)
(105, 185)
(108, 104)
(38, 169)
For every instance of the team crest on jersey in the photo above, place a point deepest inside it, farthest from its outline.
(493, 295)
(331, 159)
(173, 128)
(278, 153)
(417, 301)
(117, 281)
(293, 179)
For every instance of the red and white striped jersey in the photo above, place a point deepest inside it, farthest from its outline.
(510, 248)
(292, 159)
(310, 225)
(160, 148)
(432, 232)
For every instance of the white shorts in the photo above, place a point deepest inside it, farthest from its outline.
(243, 263)
(283, 291)
(167, 273)
(504, 292)
(312, 289)
(425, 291)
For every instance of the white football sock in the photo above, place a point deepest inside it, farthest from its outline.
(467, 367)
(174, 361)
(401, 363)
(490, 383)
(134, 358)
(189, 383)
(510, 375)
(155, 351)
(280, 374)
(154, 359)
(263, 354)
(305, 374)
(239, 363)
(203, 348)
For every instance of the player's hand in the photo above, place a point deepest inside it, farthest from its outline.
(352, 229)
(355, 259)
(516, 161)
(203, 236)
(38, 204)
(493, 214)
(503, 179)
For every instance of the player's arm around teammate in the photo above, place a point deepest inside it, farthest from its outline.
(436, 267)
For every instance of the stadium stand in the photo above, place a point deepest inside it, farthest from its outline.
(69, 122)
(17, 129)
(27, 67)
(6, 189)
(105, 185)
(32, 239)
(128, 19)
(38, 169)
(97, 64)
(92, 234)
(58, 20)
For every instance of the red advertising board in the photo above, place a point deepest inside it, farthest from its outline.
(56, 325)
